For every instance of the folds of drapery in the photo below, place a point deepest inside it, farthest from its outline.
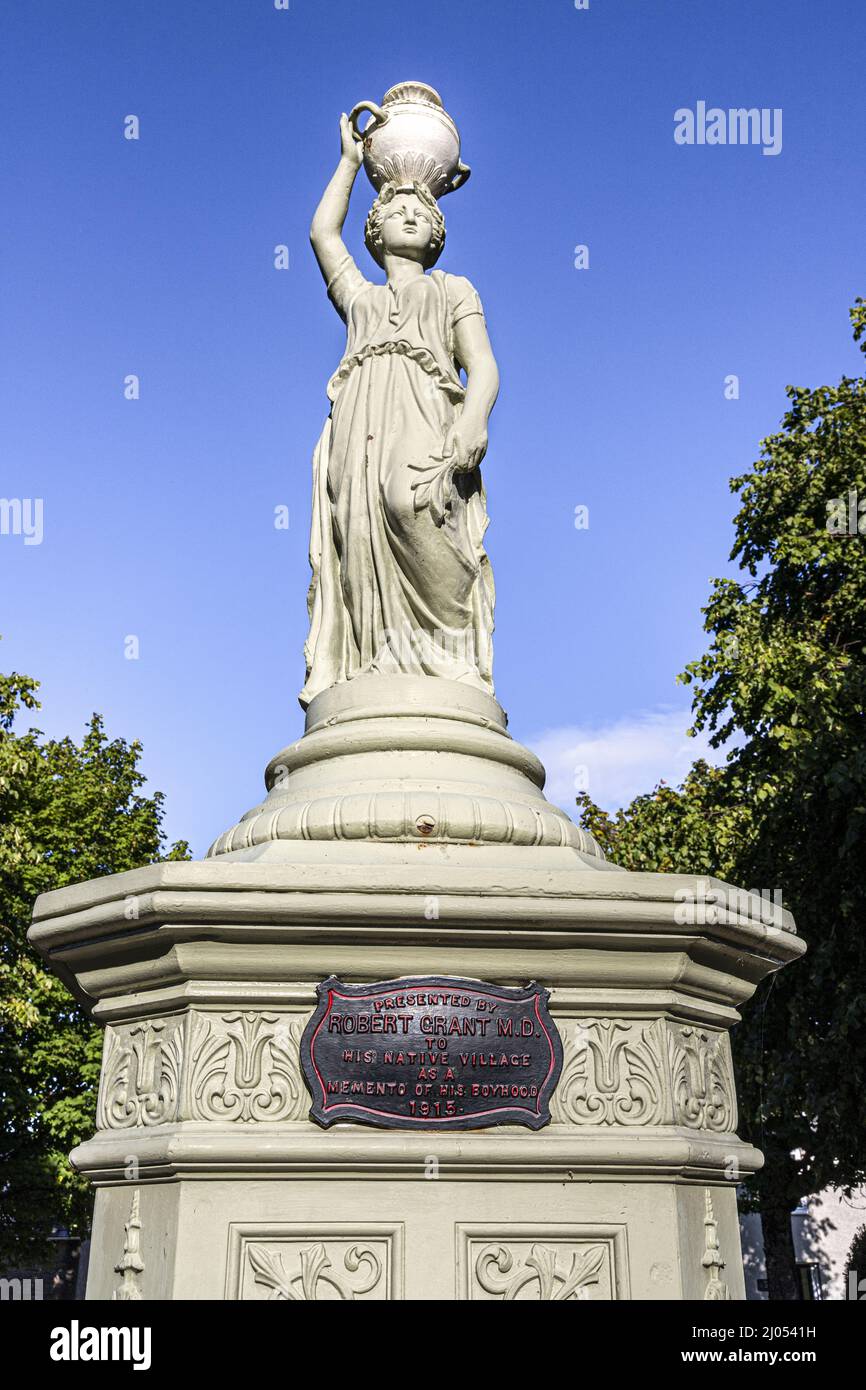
(400, 578)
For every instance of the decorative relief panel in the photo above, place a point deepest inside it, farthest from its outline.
(306, 1264)
(203, 1066)
(245, 1066)
(633, 1072)
(141, 1074)
(702, 1079)
(613, 1073)
(541, 1264)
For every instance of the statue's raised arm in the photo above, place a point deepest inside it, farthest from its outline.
(401, 582)
(327, 226)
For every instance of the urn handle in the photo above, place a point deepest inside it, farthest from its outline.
(378, 117)
(459, 177)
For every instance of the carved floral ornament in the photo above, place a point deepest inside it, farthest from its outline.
(504, 1266)
(247, 1070)
(545, 1274)
(637, 1072)
(244, 1066)
(308, 1274)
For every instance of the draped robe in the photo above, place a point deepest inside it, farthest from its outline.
(401, 582)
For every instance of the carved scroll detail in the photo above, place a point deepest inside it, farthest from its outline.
(311, 1276)
(538, 1275)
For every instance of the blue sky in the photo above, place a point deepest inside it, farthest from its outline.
(155, 257)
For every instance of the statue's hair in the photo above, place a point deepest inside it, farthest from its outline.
(376, 216)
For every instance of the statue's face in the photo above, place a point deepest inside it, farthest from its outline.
(407, 227)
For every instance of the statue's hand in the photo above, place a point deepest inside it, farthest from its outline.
(465, 445)
(463, 449)
(351, 148)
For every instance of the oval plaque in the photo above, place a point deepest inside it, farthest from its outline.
(431, 1052)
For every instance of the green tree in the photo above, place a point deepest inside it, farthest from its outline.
(67, 812)
(856, 1261)
(783, 687)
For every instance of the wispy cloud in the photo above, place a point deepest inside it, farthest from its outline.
(616, 762)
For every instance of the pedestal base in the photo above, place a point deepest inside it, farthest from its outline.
(431, 1238)
(213, 1183)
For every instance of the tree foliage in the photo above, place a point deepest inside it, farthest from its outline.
(782, 686)
(856, 1262)
(67, 812)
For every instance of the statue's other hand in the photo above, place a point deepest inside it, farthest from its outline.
(351, 147)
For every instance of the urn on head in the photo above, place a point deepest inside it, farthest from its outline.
(410, 137)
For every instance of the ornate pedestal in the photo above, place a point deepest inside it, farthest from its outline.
(399, 842)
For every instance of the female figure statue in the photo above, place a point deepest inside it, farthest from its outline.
(401, 582)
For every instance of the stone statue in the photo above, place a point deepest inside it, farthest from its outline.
(405, 844)
(401, 581)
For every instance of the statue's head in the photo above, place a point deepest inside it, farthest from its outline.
(405, 221)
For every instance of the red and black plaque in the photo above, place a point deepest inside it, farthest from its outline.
(431, 1052)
